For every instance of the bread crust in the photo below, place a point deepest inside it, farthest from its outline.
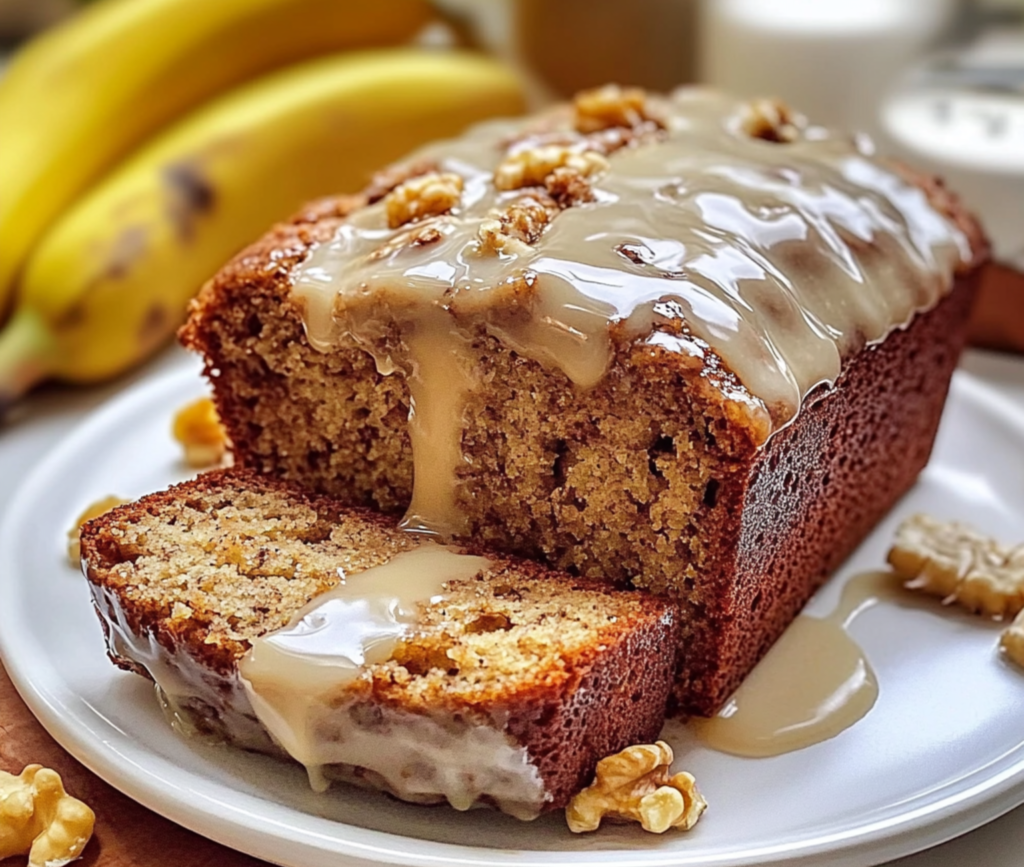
(817, 489)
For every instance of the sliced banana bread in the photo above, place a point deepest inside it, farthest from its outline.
(505, 687)
(688, 342)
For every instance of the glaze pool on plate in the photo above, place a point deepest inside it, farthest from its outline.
(941, 752)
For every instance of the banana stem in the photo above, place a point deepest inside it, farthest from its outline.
(27, 350)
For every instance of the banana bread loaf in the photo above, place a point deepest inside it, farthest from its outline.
(286, 623)
(691, 344)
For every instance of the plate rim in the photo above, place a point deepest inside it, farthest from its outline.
(871, 843)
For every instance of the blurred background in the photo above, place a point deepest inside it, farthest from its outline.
(940, 82)
(113, 211)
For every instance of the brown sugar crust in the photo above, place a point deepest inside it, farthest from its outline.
(652, 477)
(572, 670)
(818, 488)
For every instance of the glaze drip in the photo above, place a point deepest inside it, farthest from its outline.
(812, 685)
(296, 676)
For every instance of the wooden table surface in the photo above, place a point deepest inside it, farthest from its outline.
(128, 835)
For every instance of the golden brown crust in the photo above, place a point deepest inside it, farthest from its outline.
(815, 491)
(997, 321)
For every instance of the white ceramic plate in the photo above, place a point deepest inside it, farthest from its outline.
(941, 753)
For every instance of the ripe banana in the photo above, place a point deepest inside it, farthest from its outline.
(110, 281)
(84, 95)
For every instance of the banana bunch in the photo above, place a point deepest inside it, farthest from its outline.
(101, 252)
(84, 95)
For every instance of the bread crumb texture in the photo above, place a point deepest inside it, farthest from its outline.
(238, 555)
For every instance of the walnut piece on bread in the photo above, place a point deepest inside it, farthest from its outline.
(93, 510)
(771, 120)
(959, 564)
(421, 197)
(516, 226)
(199, 430)
(492, 238)
(40, 819)
(610, 106)
(531, 166)
(634, 786)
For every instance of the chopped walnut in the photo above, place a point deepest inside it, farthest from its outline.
(493, 239)
(429, 195)
(425, 237)
(568, 187)
(1012, 640)
(93, 510)
(197, 427)
(611, 106)
(39, 819)
(531, 166)
(959, 564)
(520, 224)
(527, 217)
(771, 120)
(634, 786)
(386, 180)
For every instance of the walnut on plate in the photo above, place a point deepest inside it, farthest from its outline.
(199, 430)
(1012, 640)
(93, 510)
(959, 564)
(40, 819)
(634, 786)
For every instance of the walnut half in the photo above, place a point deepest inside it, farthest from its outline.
(197, 427)
(39, 819)
(959, 564)
(634, 786)
(418, 198)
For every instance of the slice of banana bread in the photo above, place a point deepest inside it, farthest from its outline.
(506, 687)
